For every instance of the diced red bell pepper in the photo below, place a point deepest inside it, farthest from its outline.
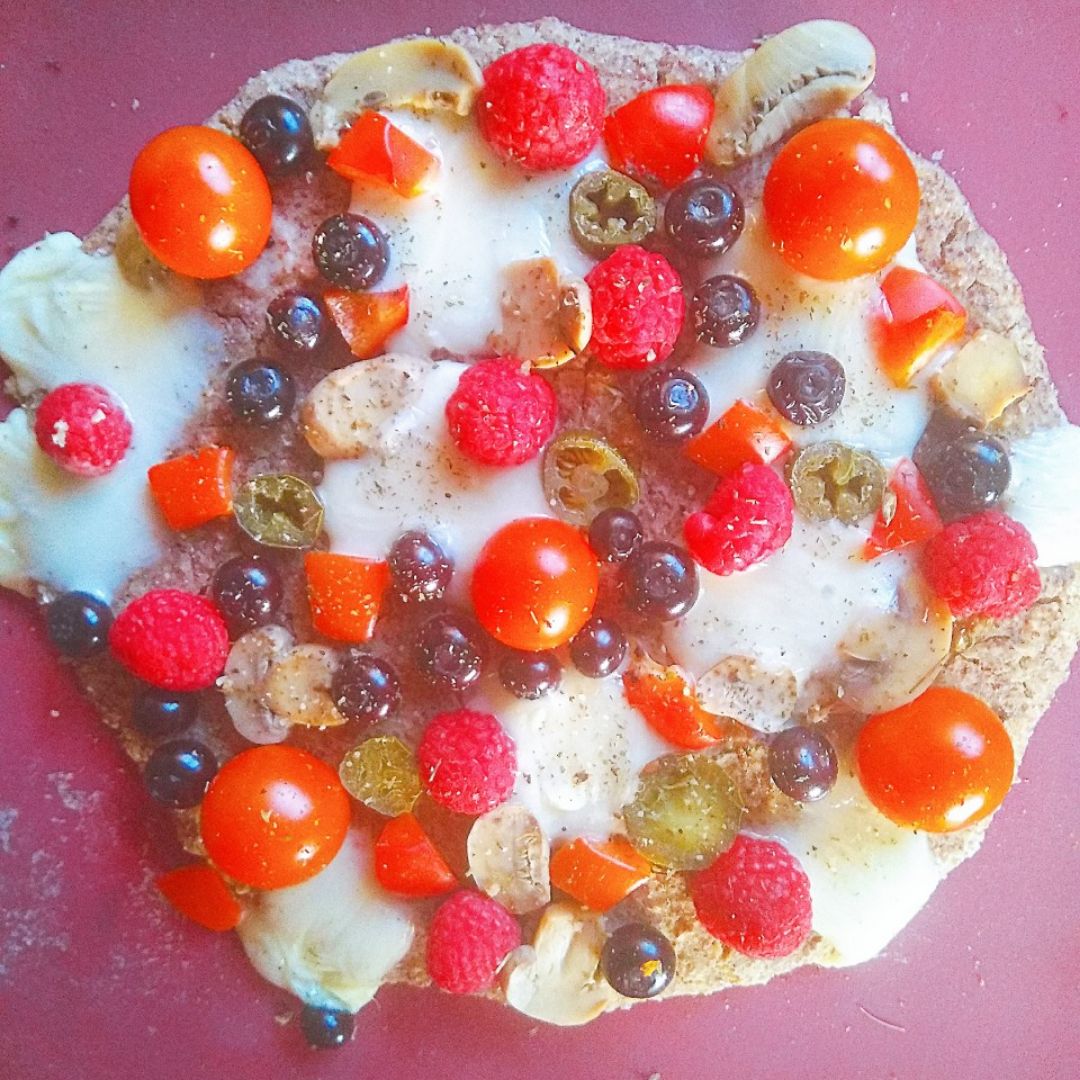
(917, 318)
(345, 594)
(367, 319)
(667, 698)
(598, 873)
(195, 488)
(744, 435)
(376, 150)
(912, 517)
(407, 862)
(200, 893)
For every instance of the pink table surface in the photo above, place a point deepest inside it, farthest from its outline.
(98, 980)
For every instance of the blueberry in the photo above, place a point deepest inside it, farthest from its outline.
(660, 581)
(277, 131)
(724, 311)
(350, 250)
(638, 961)
(326, 1029)
(419, 568)
(450, 651)
(615, 534)
(366, 688)
(530, 675)
(78, 624)
(704, 216)
(248, 590)
(179, 772)
(298, 323)
(159, 714)
(598, 648)
(671, 405)
(260, 393)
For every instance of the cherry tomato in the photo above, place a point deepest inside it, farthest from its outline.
(535, 584)
(659, 136)
(841, 199)
(939, 763)
(201, 201)
(274, 816)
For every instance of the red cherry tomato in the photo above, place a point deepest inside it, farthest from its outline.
(535, 584)
(939, 763)
(274, 816)
(201, 201)
(659, 136)
(841, 199)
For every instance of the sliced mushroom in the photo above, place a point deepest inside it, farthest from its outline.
(244, 683)
(425, 74)
(298, 687)
(508, 858)
(800, 75)
(547, 320)
(741, 688)
(557, 978)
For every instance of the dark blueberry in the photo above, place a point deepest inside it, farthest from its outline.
(350, 250)
(298, 323)
(366, 688)
(638, 961)
(450, 651)
(660, 581)
(326, 1029)
(260, 393)
(160, 714)
(704, 216)
(616, 534)
(78, 624)
(724, 311)
(807, 387)
(419, 568)
(248, 590)
(530, 675)
(671, 405)
(967, 473)
(277, 131)
(802, 763)
(598, 648)
(179, 772)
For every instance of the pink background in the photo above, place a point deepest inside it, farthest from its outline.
(97, 980)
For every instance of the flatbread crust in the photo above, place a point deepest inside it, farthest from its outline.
(1016, 666)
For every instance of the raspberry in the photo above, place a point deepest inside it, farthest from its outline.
(500, 415)
(171, 639)
(467, 761)
(747, 518)
(470, 936)
(83, 428)
(637, 306)
(983, 565)
(541, 106)
(755, 898)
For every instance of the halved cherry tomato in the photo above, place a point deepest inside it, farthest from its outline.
(534, 584)
(201, 201)
(913, 517)
(407, 862)
(367, 319)
(598, 873)
(194, 488)
(841, 199)
(200, 893)
(939, 763)
(374, 149)
(659, 136)
(345, 594)
(744, 435)
(668, 700)
(917, 318)
(274, 816)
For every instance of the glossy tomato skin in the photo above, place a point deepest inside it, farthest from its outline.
(201, 201)
(939, 763)
(274, 816)
(535, 583)
(841, 199)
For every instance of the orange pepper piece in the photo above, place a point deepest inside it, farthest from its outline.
(914, 517)
(744, 435)
(668, 700)
(367, 319)
(345, 594)
(376, 150)
(195, 488)
(598, 874)
(917, 319)
(407, 862)
(200, 893)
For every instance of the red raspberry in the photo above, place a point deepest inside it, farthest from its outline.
(983, 565)
(755, 898)
(541, 106)
(637, 306)
(83, 428)
(171, 639)
(470, 936)
(747, 518)
(500, 415)
(467, 761)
